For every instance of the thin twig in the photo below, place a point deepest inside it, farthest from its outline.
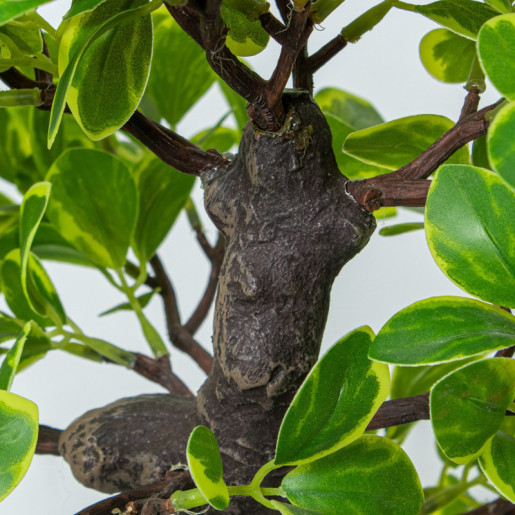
(471, 103)
(48, 440)
(274, 27)
(326, 53)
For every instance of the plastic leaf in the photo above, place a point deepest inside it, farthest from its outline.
(335, 403)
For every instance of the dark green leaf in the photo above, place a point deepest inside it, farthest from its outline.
(443, 329)
(480, 154)
(467, 412)
(470, 231)
(9, 328)
(81, 6)
(503, 6)
(27, 40)
(371, 475)
(335, 403)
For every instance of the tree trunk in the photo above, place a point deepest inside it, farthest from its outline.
(289, 226)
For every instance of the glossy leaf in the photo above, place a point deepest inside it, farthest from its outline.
(10, 9)
(352, 110)
(245, 37)
(497, 461)
(394, 230)
(447, 56)
(175, 93)
(465, 17)
(501, 143)
(94, 204)
(470, 231)
(335, 403)
(396, 143)
(163, 191)
(371, 475)
(119, 70)
(496, 50)
(205, 466)
(443, 329)
(143, 301)
(81, 6)
(290, 509)
(9, 366)
(467, 412)
(18, 438)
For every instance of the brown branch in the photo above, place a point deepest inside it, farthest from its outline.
(274, 27)
(326, 53)
(471, 103)
(179, 335)
(285, 7)
(498, 507)
(302, 75)
(401, 411)
(175, 480)
(160, 371)
(48, 440)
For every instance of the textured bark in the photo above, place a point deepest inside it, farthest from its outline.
(289, 227)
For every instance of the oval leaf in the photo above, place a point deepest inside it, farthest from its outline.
(470, 231)
(496, 50)
(396, 143)
(466, 411)
(205, 465)
(94, 204)
(497, 461)
(111, 75)
(443, 329)
(18, 438)
(163, 191)
(12, 359)
(10, 9)
(371, 475)
(447, 56)
(335, 403)
(501, 143)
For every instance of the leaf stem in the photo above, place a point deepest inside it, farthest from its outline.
(21, 97)
(44, 25)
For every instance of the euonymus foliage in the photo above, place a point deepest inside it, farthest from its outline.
(95, 198)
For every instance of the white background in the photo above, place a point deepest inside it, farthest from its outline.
(389, 274)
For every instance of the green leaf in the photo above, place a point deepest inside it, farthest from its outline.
(12, 359)
(163, 191)
(9, 328)
(470, 231)
(353, 111)
(335, 403)
(205, 465)
(497, 461)
(143, 300)
(27, 40)
(503, 6)
(237, 104)
(501, 143)
(321, 9)
(496, 50)
(94, 204)
(443, 329)
(371, 475)
(111, 75)
(466, 411)
(447, 56)
(465, 17)
(81, 6)
(175, 93)
(245, 37)
(219, 138)
(18, 438)
(394, 230)
(480, 153)
(396, 143)
(10, 9)
(108, 350)
(290, 509)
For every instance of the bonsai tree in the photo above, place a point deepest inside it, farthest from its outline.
(294, 186)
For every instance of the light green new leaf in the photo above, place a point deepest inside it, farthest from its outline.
(112, 73)
(205, 466)
(354, 111)
(163, 191)
(10, 9)
(180, 73)
(496, 50)
(321, 9)
(12, 359)
(245, 37)
(465, 17)
(94, 204)
(32, 210)
(291, 509)
(394, 230)
(443, 329)
(467, 412)
(470, 231)
(371, 475)
(81, 6)
(396, 143)
(503, 6)
(335, 403)
(501, 143)
(447, 56)
(18, 438)
(497, 461)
